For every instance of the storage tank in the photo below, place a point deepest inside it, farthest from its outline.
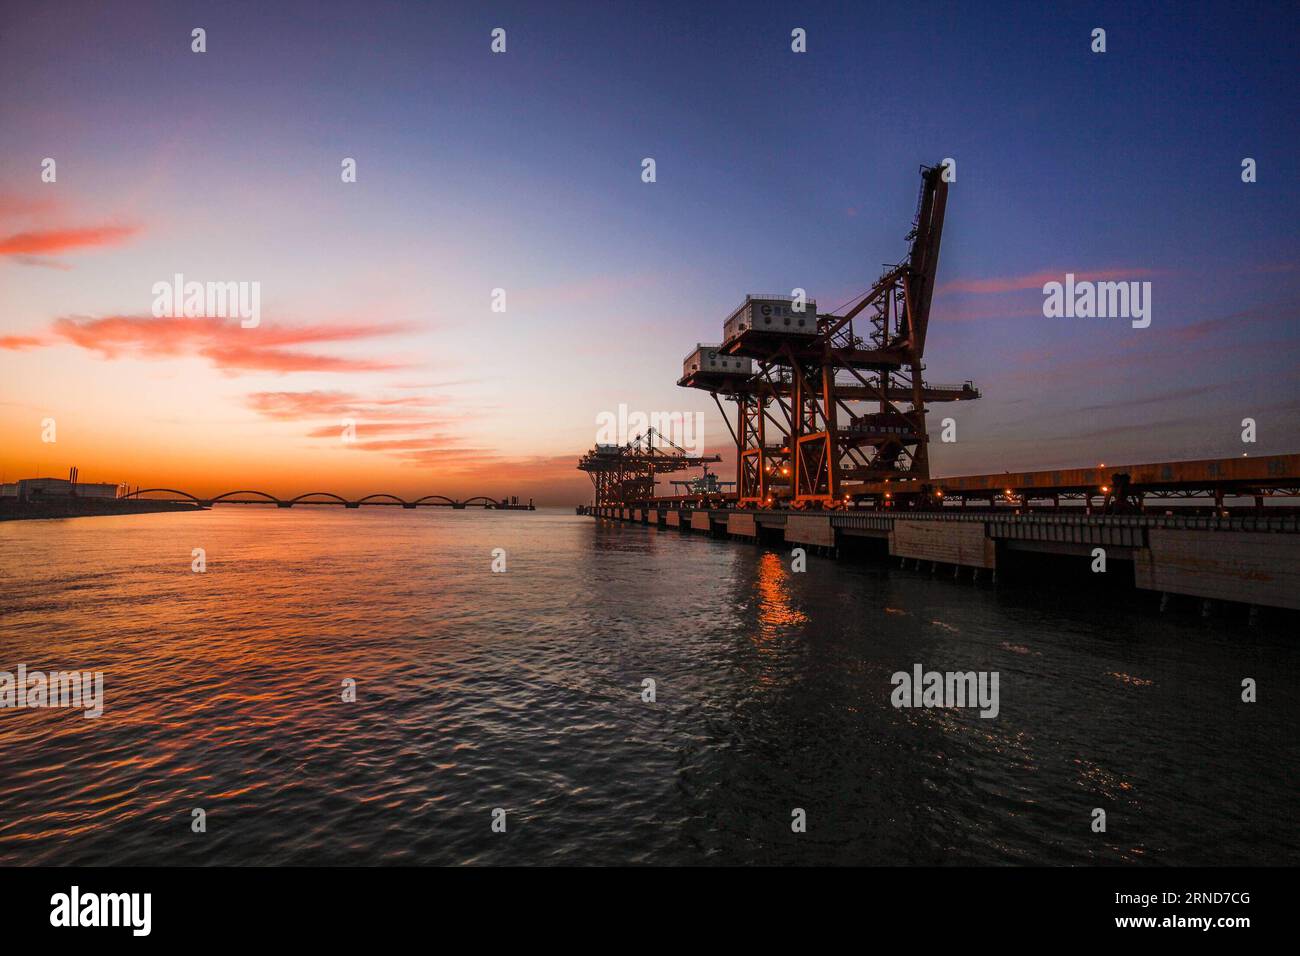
(708, 359)
(775, 314)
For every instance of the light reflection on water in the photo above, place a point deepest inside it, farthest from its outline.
(523, 690)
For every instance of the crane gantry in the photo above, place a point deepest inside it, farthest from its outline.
(827, 403)
(628, 472)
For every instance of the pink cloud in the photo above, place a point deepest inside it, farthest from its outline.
(1036, 280)
(16, 343)
(27, 247)
(288, 406)
(254, 358)
(984, 315)
(223, 342)
(409, 427)
(47, 241)
(365, 428)
(412, 429)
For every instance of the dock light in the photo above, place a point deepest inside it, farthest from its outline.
(939, 493)
(1007, 493)
(785, 471)
(1105, 489)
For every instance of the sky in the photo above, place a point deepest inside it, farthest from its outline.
(522, 171)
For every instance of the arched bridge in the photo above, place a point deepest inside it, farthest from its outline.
(251, 497)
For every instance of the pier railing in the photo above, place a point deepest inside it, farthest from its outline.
(1281, 523)
(882, 520)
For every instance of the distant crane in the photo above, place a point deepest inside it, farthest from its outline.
(622, 473)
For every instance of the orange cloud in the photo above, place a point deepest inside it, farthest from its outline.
(416, 430)
(373, 428)
(223, 342)
(297, 405)
(485, 468)
(17, 343)
(249, 358)
(27, 247)
(405, 427)
(47, 241)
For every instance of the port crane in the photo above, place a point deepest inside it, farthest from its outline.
(827, 403)
(628, 472)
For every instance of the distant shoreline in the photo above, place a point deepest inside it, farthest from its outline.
(14, 510)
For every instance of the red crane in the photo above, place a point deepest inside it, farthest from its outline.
(843, 394)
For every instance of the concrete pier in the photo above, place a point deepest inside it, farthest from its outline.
(1252, 561)
(810, 529)
(1249, 567)
(966, 544)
